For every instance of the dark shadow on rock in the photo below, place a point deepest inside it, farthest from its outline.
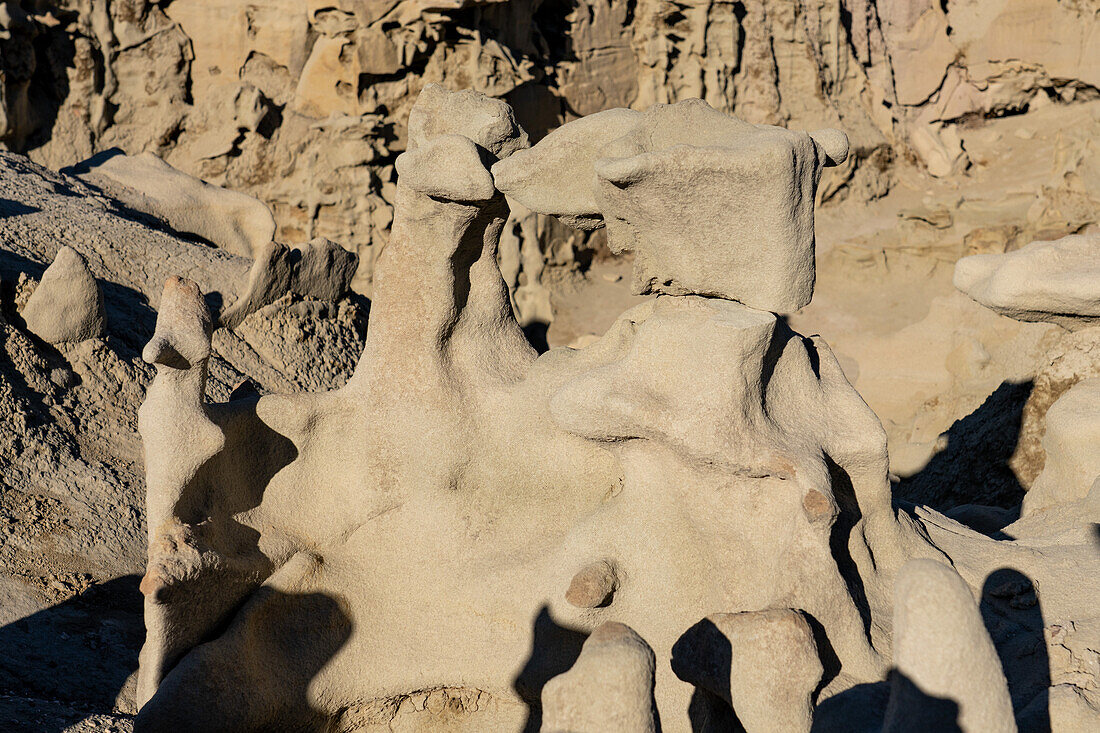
(989, 520)
(12, 264)
(80, 651)
(214, 302)
(895, 705)
(781, 335)
(847, 520)
(256, 676)
(973, 468)
(234, 481)
(9, 208)
(859, 709)
(830, 662)
(912, 710)
(708, 713)
(703, 657)
(86, 166)
(199, 606)
(1012, 616)
(37, 63)
(538, 110)
(554, 649)
(361, 324)
(536, 336)
(470, 249)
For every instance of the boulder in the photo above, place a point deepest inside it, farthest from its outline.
(67, 305)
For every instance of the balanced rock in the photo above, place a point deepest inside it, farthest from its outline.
(557, 175)
(67, 305)
(488, 122)
(654, 185)
(1056, 281)
(442, 167)
(699, 456)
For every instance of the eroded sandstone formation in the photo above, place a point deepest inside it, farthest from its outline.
(1056, 281)
(73, 536)
(304, 104)
(464, 521)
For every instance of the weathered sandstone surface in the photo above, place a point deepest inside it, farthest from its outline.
(80, 281)
(633, 532)
(693, 515)
(304, 105)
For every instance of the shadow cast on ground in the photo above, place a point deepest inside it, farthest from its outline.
(973, 467)
(256, 675)
(1012, 614)
(81, 651)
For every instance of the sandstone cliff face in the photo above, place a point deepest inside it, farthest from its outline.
(304, 104)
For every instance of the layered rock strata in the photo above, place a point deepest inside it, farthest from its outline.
(304, 105)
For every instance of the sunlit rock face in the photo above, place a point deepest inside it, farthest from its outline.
(304, 105)
(468, 535)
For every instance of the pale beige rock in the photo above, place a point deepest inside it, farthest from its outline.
(1075, 357)
(709, 455)
(441, 168)
(609, 687)
(602, 71)
(106, 236)
(1048, 567)
(763, 664)
(224, 33)
(1056, 281)
(557, 176)
(1072, 708)
(178, 438)
(759, 250)
(1056, 36)
(939, 148)
(329, 79)
(74, 489)
(1072, 446)
(920, 51)
(233, 221)
(123, 74)
(67, 304)
(1074, 673)
(947, 671)
(524, 263)
(259, 97)
(491, 122)
(286, 335)
(478, 414)
(197, 571)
